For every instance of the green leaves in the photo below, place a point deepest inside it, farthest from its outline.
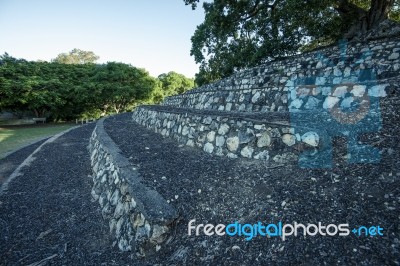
(173, 83)
(68, 91)
(76, 56)
(241, 34)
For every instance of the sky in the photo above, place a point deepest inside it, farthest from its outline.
(150, 34)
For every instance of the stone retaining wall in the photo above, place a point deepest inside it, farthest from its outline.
(139, 217)
(334, 92)
(274, 140)
(267, 88)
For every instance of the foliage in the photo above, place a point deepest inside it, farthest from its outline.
(118, 86)
(240, 34)
(67, 91)
(76, 56)
(173, 83)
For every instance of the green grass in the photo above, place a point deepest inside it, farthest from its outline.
(14, 137)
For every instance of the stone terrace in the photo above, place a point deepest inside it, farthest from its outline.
(283, 110)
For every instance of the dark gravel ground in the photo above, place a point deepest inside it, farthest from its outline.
(9, 163)
(215, 190)
(47, 214)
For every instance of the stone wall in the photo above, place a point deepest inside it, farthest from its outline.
(139, 217)
(232, 135)
(270, 87)
(283, 109)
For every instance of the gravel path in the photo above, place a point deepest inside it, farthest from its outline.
(213, 189)
(9, 163)
(47, 215)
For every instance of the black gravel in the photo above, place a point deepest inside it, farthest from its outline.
(9, 163)
(47, 214)
(214, 189)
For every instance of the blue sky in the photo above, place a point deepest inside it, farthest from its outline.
(151, 34)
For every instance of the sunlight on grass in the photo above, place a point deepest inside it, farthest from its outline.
(12, 138)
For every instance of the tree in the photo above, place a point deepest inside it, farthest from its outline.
(173, 83)
(76, 56)
(24, 87)
(363, 17)
(241, 34)
(68, 91)
(118, 86)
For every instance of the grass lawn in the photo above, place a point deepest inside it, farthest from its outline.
(14, 137)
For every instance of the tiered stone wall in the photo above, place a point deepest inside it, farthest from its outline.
(279, 110)
(267, 88)
(139, 217)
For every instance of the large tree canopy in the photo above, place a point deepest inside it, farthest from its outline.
(237, 34)
(66, 91)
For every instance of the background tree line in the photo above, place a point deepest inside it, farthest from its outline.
(73, 86)
(240, 34)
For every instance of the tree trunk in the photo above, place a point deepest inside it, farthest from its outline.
(359, 21)
(36, 112)
(379, 12)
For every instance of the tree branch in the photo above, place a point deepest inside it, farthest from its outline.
(257, 8)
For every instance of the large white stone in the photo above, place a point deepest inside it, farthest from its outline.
(118, 227)
(264, 140)
(220, 141)
(320, 81)
(312, 103)
(289, 139)
(347, 72)
(358, 90)
(247, 152)
(208, 147)
(311, 138)
(119, 210)
(394, 56)
(211, 136)
(330, 102)
(256, 96)
(378, 91)
(296, 104)
(340, 91)
(232, 144)
(190, 143)
(337, 72)
(223, 129)
(302, 92)
(185, 131)
(115, 197)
